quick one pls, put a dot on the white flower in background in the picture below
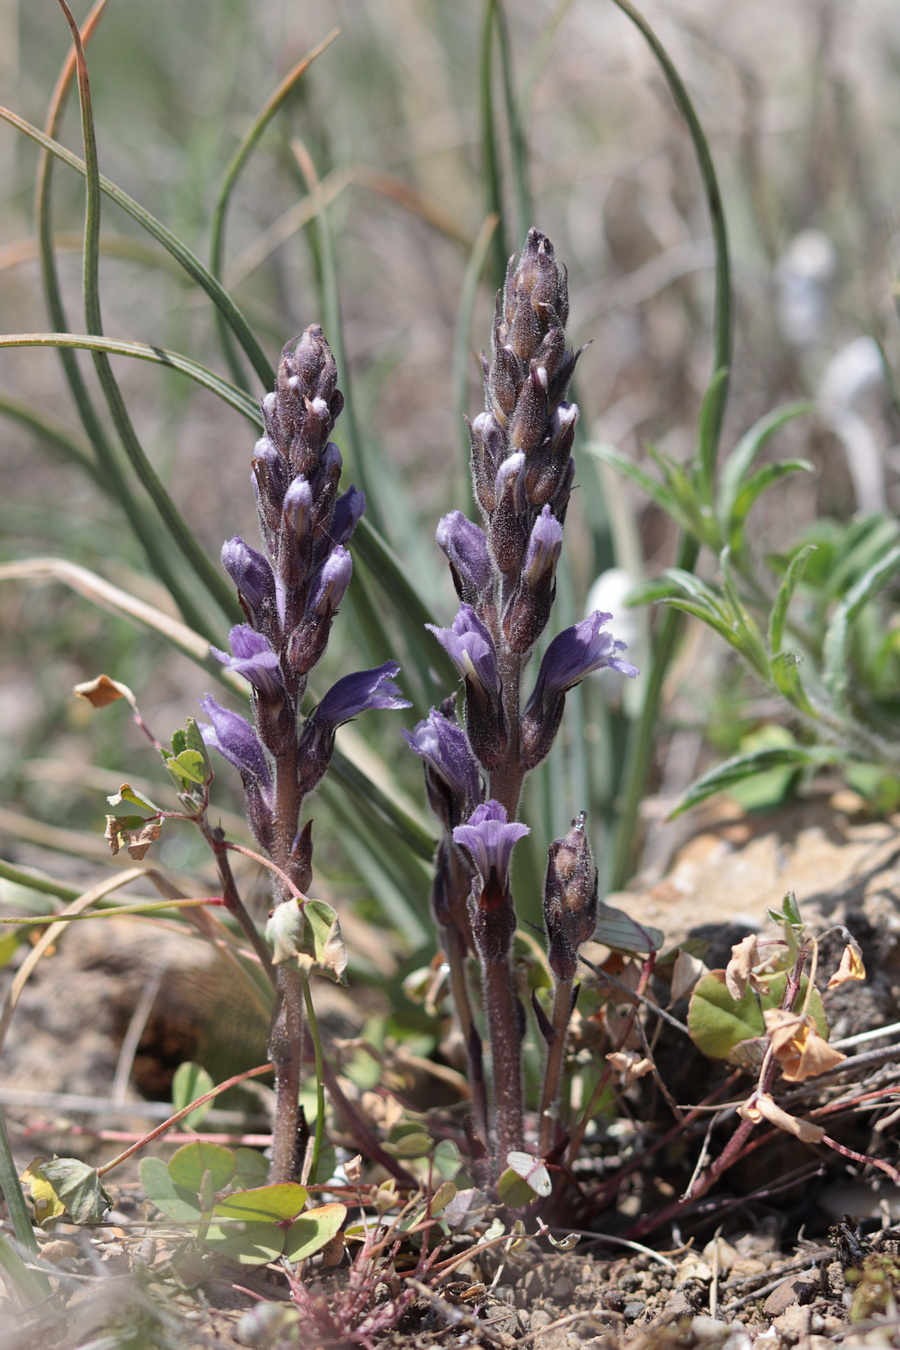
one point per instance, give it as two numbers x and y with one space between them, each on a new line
852 373
803 277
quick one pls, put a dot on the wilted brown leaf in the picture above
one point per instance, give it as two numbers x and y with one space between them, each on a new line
851 967
797 1046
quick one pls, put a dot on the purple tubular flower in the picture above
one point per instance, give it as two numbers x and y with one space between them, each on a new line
543 550
358 693
467 552
254 658
298 505
451 771
235 739
526 614
575 653
471 649
250 572
489 840
348 510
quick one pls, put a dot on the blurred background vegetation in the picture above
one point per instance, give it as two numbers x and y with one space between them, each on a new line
798 101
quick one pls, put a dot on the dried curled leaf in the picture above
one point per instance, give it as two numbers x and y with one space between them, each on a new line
133 833
798 1047
765 1107
629 1065
738 972
102 691
851 967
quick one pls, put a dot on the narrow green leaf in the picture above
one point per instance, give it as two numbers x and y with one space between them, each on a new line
748 638
784 671
182 255
739 767
737 465
240 157
462 352
766 477
712 410
657 492
15 1200
835 649
518 146
786 590
490 154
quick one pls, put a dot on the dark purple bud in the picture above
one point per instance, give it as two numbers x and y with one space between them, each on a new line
570 898
271 477
471 649
348 510
576 652
254 659
252 575
548 466
235 739
528 610
467 551
509 521
504 379
489 838
528 424
451 771
489 449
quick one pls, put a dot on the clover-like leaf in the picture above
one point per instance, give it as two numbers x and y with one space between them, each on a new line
263 1204
78 1187
127 793
189 1082
313 1230
188 1164
176 1202
249 1244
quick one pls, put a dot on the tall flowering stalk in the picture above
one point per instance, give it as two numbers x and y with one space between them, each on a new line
290 594
504 572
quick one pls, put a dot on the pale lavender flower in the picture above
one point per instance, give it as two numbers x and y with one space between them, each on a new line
360 692
576 652
331 583
254 659
467 552
471 649
489 839
348 510
250 571
451 770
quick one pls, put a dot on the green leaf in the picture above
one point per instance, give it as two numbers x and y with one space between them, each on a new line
617 930
189 1082
718 1023
737 465
249 1244
127 793
785 673
252 1169
187 1165
313 1230
264 1204
657 492
188 766
328 951
789 584
835 649
442 1196
760 482
514 1190
711 412
78 1187
736 769
286 930
415 1144
176 1202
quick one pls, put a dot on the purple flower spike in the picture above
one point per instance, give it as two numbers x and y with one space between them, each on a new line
467 551
490 839
575 653
471 649
358 693
253 658
235 739
250 572
445 750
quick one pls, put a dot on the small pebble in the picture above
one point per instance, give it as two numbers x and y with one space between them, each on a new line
633 1310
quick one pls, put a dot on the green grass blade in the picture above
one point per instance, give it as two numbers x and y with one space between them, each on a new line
785 594
835 649
240 157
140 351
709 423
207 572
539 54
518 145
490 156
754 487
12 1194
461 353
738 463
187 260
735 770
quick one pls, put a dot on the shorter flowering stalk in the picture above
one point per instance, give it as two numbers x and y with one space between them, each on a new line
570 916
290 594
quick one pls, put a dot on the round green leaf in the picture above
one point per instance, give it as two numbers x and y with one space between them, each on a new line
309 1234
186 1167
250 1244
176 1202
264 1204
252 1169
513 1190
717 1023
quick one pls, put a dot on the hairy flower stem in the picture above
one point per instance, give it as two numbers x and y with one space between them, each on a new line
233 902
285 1050
556 1052
507 779
453 945
503 1016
